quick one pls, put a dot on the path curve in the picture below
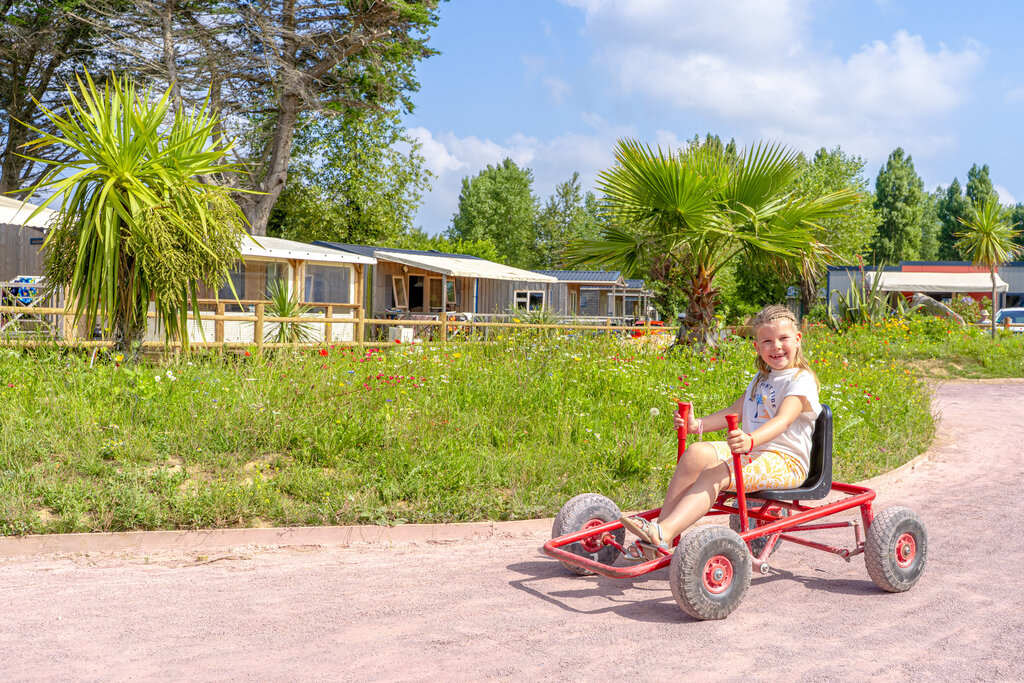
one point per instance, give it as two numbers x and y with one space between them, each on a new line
497 608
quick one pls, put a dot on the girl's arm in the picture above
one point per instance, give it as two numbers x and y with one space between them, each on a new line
711 423
741 442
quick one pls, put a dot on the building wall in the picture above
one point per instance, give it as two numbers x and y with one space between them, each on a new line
18 256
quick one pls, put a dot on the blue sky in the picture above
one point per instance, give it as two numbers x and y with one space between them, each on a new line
553 83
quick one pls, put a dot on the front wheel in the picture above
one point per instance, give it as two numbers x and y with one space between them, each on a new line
710 572
587 511
896 549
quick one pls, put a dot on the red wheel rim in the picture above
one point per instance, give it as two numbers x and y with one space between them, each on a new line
717 574
906 549
592 544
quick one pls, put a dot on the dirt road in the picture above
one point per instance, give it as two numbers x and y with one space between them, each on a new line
498 609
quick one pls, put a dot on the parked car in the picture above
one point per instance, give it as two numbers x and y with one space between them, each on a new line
1014 317
654 327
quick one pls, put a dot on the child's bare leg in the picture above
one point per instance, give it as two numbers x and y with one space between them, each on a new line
697 458
695 501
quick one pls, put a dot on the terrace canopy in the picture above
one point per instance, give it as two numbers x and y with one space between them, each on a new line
935 282
454 266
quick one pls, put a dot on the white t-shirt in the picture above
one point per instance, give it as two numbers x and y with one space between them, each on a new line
762 403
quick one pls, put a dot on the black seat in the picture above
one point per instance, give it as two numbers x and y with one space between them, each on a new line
819 478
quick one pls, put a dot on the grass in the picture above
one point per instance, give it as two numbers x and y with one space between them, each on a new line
470 431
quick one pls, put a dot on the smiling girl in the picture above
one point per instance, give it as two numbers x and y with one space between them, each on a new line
778 409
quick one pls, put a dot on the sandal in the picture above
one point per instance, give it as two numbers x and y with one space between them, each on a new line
647 531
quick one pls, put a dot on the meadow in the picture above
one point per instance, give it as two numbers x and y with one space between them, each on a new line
507 429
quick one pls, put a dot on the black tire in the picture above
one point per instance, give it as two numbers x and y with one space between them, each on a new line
710 572
588 509
896 549
757 545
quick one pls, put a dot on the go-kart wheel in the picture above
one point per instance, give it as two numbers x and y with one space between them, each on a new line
757 545
585 511
710 572
896 549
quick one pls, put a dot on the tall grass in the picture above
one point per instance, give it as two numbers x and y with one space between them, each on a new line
502 430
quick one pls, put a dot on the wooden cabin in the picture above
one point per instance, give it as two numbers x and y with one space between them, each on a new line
600 294
424 284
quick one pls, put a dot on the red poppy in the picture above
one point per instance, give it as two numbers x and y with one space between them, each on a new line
323 352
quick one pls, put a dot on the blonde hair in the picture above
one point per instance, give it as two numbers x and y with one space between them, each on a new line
771 314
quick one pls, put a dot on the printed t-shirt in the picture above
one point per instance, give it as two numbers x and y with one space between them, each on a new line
762 404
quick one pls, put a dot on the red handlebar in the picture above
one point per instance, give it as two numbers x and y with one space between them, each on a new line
684 412
733 420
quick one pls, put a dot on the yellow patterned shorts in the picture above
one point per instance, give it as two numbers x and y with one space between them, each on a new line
766 470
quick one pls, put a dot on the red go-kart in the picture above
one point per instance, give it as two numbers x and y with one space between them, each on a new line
711 565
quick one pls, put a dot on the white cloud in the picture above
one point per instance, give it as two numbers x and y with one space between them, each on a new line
558 88
1004 195
753 64
452 158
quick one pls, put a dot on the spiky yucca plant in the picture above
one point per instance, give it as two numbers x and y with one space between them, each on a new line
136 223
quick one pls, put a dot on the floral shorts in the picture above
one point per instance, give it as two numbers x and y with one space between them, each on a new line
765 470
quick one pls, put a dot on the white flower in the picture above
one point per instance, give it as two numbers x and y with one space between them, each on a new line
655 412
156 377
170 376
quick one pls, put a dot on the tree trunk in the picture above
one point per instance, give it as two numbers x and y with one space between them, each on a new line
698 327
257 207
992 273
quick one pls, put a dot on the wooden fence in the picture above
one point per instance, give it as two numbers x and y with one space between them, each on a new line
61 331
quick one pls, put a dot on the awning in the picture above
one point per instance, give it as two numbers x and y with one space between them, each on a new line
896 281
454 266
277 248
13 212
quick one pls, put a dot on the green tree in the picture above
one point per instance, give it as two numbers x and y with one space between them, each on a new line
931 228
42 45
569 215
271 65
694 211
979 186
989 241
499 205
358 179
899 201
950 207
417 238
136 223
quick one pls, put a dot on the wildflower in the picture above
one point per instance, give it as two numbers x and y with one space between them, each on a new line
655 412
119 357
323 352
170 376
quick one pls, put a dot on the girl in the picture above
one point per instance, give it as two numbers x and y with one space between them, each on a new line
778 410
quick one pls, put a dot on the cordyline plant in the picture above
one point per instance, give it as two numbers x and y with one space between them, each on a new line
136 224
694 211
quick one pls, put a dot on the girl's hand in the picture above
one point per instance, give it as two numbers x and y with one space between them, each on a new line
740 442
691 422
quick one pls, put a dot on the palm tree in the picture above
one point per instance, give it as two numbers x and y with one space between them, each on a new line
136 223
695 210
988 241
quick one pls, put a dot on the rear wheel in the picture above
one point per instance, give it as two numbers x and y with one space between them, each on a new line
588 511
896 549
710 572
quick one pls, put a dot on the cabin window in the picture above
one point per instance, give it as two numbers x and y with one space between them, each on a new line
328 284
398 298
527 300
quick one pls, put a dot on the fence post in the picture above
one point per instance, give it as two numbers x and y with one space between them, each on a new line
258 329
328 314
218 325
359 326
608 327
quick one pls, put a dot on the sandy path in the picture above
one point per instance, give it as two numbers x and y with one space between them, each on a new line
499 609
